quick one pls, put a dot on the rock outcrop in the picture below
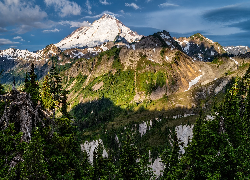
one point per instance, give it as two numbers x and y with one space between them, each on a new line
22 112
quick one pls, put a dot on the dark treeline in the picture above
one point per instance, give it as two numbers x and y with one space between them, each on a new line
219 148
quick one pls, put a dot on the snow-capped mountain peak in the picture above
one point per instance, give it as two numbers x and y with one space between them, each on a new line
102 30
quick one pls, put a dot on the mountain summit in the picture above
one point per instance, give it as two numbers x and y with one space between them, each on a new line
103 30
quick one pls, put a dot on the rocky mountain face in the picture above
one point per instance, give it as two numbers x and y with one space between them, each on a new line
236 50
200 48
156 55
15 63
103 30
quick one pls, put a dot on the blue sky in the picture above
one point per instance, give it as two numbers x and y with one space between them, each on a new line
33 24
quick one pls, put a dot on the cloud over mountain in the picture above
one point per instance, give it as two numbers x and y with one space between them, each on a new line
52 30
133 5
21 14
7 41
64 7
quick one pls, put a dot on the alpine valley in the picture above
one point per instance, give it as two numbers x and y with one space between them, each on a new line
122 87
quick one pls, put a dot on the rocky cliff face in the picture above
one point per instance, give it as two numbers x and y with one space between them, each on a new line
200 48
22 113
157 56
236 50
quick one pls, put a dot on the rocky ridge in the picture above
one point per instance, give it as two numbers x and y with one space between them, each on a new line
236 50
200 48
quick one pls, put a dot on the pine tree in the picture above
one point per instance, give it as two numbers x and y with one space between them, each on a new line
129 168
34 165
46 96
55 84
31 85
11 149
99 164
170 157
64 103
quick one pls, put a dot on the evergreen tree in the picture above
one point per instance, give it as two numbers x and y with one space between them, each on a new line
170 156
46 96
35 165
31 85
11 149
99 164
55 84
129 167
64 104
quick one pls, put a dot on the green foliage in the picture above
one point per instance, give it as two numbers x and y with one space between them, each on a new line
197 35
64 104
95 113
113 52
55 83
118 87
80 79
34 165
11 146
46 96
170 157
162 52
217 61
31 85
129 168
148 81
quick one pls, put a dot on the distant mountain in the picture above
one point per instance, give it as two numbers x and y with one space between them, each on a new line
107 28
200 48
236 50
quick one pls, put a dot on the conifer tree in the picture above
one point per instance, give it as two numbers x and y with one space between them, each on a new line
64 103
129 167
170 157
46 96
34 165
55 84
31 85
99 164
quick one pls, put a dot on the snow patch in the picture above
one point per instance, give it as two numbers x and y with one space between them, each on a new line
133 46
193 82
236 62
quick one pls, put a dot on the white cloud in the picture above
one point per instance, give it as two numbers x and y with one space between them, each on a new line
185 21
23 28
100 15
166 4
65 7
89 7
32 35
148 1
75 24
3 29
132 5
104 2
20 13
53 30
7 41
17 37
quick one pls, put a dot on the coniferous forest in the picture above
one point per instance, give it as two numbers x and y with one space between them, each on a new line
40 139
